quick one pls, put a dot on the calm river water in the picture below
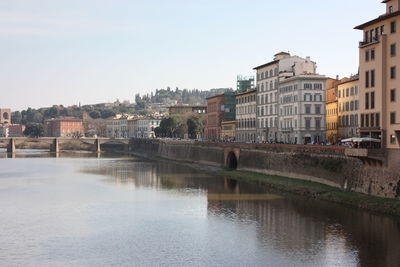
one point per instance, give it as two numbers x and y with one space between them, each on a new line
80 210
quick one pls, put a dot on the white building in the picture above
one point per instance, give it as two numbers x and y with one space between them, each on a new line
118 127
302 109
269 75
143 127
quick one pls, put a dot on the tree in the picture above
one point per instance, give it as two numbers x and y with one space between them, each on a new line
16 117
34 130
95 114
107 113
195 126
172 126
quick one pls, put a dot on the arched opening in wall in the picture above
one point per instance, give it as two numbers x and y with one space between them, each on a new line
232 161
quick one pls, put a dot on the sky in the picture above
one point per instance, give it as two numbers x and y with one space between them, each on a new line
92 51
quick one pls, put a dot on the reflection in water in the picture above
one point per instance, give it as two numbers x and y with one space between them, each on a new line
158 213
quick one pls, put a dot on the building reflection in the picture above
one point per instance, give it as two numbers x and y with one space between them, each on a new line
298 225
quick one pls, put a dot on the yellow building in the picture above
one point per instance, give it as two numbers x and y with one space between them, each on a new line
379 77
348 108
228 130
331 109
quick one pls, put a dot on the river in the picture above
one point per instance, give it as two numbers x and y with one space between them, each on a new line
83 210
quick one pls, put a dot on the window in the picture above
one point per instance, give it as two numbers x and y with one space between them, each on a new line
366 100
393 95
390 9
367 79
393 27
362 120
308 109
373 54
392 139
372 78
347 92
308 123
318 123
393 50
392 117
317 109
372 100
367 55
307 86
393 72
377 119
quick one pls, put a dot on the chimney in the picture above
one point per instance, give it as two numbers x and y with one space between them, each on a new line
337 77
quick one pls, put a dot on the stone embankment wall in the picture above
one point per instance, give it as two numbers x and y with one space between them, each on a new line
323 164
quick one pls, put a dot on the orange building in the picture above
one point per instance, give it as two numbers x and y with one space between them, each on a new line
379 77
64 127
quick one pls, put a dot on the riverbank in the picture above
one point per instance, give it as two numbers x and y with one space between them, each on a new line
299 187
318 191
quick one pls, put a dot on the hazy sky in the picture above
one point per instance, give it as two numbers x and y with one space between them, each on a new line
89 51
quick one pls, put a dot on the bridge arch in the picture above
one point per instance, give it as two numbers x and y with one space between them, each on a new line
232 161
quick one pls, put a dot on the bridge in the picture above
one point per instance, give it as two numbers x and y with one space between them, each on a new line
55 142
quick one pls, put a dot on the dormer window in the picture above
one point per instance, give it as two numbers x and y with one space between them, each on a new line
390 9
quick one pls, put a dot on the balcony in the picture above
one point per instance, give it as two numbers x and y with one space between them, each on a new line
374 40
287 130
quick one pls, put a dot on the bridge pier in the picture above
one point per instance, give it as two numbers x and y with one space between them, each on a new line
97 145
55 146
11 146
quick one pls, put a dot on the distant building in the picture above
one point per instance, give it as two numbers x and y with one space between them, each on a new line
5 115
246 116
16 130
244 83
348 108
187 109
143 127
219 108
379 77
64 127
117 127
228 130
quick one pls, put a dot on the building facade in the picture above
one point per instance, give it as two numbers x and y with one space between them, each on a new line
118 127
267 101
348 108
219 108
269 75
379 77
228 130
64 127
246 130
187 109
146 126
302 109
331 111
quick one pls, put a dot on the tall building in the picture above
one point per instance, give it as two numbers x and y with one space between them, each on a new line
379 77
244 83
219 108
269 76
302 109
348 108
246 116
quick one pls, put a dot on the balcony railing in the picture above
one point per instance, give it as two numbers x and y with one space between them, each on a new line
374 40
